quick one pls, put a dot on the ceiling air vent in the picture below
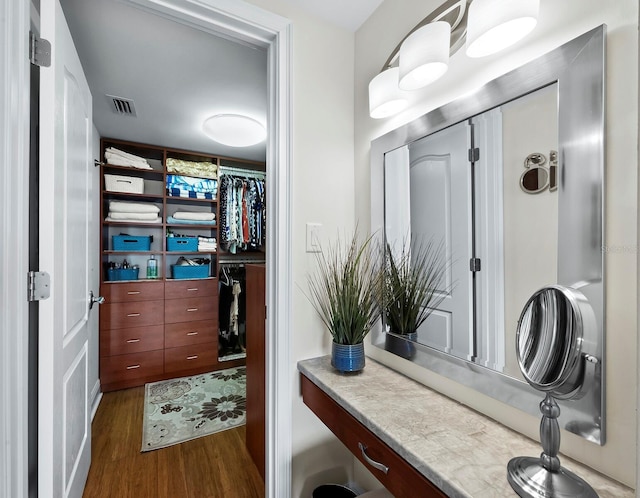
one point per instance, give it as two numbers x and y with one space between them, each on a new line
122 106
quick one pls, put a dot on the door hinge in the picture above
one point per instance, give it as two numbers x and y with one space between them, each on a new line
474 264
38 285
474 155
39 51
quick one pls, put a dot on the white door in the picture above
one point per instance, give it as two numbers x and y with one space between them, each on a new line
440 182
67 253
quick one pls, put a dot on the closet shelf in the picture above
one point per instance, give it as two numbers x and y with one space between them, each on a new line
188 226
107 194
148 173
133 224
187 200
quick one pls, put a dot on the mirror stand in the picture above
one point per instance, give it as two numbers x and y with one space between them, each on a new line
544 477
551 353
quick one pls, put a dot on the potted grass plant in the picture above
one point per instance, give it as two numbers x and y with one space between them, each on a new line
346 291
414 286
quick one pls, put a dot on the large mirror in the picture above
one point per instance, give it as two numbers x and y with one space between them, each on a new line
510 182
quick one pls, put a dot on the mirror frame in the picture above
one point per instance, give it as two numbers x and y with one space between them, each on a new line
578 67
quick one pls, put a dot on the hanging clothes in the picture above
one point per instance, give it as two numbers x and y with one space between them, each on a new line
242 213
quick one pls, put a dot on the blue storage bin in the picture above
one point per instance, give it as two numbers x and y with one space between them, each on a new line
114 274
132 242
188 271
183 244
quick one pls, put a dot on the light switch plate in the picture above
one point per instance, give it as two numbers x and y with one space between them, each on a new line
313 237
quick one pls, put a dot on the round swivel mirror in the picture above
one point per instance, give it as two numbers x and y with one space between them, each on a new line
549 348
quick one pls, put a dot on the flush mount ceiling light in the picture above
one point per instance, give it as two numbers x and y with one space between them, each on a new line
494 25
423 54
234 130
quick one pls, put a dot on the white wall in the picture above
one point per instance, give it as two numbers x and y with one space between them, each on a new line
323 189
558 23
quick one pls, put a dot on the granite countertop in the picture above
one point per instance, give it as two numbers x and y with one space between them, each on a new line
461 451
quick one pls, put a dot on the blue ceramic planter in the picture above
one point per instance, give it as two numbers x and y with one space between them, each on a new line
347 357
401 345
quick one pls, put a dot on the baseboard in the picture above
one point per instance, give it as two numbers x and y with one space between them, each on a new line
96 397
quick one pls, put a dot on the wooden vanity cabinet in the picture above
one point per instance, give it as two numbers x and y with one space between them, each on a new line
400 478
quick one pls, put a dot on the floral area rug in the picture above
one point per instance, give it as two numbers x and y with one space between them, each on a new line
179 410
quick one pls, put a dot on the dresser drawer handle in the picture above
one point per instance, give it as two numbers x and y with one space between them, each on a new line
132 341
192 289
193 357
189 310
192 333
132 367
133 314
376 465
133 293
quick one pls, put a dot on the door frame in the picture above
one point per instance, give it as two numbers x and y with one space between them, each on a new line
238 21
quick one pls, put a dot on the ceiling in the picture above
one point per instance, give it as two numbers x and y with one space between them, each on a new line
177 76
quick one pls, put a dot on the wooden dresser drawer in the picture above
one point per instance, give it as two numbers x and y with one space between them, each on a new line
200 356
188 333
190 309
130 366
401 479
131 340
137 314
179 289
132 291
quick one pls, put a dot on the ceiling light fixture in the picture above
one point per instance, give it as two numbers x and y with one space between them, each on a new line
422 56
234 130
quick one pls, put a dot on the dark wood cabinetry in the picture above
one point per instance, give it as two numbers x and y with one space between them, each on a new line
157 328
256 316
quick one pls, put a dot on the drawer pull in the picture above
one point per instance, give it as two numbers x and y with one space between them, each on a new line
376 465
133 314
189 310
132 367
192 289
192 333
132 341
193 357
133 293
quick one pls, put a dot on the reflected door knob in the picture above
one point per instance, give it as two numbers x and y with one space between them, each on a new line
94 299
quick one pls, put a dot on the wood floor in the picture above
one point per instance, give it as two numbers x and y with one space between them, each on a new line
215 466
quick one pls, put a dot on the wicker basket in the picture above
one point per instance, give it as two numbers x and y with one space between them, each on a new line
128 184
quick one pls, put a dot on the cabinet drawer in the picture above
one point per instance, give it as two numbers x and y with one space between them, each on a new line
178 289
200 356
190 309
131 340
188 333
130 366
137 314
132 291
401 479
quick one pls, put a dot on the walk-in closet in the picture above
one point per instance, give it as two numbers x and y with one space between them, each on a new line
180 224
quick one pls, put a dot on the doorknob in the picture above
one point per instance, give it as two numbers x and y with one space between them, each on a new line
94 299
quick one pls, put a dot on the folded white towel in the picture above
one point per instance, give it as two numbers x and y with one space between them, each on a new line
156 220
119 161
188 215
132 207
132 216
132 158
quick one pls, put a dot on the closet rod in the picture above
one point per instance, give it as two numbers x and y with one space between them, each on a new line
241 260
228 170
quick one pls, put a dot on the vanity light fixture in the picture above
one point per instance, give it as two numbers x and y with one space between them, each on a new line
422 56
494 25
234 130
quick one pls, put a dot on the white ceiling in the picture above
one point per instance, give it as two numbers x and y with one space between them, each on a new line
349 14
177 76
